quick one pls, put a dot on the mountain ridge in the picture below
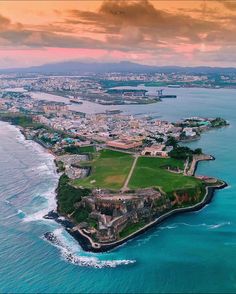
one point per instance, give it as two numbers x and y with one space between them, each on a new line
78 67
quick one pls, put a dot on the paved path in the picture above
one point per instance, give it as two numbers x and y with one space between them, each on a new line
186 165
125 187
196 158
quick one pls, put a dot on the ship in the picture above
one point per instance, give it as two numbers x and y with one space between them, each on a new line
75 100
113 111
167 96
173 86
162 96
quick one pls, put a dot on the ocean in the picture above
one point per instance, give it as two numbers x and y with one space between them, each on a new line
190 253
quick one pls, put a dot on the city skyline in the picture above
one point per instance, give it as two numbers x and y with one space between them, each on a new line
185 33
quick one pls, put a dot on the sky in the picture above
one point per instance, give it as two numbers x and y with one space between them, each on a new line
162 33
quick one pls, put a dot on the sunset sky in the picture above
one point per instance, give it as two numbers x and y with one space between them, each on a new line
188 33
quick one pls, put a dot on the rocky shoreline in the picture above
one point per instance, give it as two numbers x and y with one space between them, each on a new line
86 244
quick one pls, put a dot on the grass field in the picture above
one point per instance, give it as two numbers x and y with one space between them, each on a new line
80 150
87 149
109 170
149 172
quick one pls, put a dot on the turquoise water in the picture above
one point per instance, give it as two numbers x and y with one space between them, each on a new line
194 252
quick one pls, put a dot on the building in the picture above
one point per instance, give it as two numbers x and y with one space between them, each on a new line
128 92
54 108
189 132
155 150
124 145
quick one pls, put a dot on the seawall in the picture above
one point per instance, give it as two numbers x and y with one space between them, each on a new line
86 244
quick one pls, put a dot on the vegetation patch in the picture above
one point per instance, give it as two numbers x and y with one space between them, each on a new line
116 178
60 166
19 119
218 122
109 170
182 152
149 172
131 228
80 150
81 214
68 195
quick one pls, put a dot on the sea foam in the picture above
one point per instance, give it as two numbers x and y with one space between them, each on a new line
51 205
72 253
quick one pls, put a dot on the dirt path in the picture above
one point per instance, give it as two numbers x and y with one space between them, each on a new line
125 187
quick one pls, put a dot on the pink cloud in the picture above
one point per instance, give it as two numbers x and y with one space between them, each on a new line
28 57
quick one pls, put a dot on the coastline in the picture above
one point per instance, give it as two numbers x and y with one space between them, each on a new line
87 243
37 144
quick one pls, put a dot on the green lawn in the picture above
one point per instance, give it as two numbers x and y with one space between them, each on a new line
109 170
80 150
87 149
149 172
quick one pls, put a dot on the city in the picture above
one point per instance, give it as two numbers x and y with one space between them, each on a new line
117 146
114 206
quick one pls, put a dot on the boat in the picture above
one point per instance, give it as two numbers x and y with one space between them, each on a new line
74 100
161 95
167 96
113 111
173 86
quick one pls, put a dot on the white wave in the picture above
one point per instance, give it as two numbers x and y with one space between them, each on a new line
51 205
228 187
42 169
32 144
47 167
190 225
168 227
35 147
71 252
11 215
216 226
18 212
208 226
142 241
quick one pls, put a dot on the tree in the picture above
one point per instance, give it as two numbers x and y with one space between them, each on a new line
198 151
159 140
171 141
181 153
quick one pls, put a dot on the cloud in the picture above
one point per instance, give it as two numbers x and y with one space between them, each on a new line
17 34
117 25
231 5
134 28
31 38
151 23
4 22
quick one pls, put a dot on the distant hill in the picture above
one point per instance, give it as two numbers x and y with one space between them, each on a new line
77 67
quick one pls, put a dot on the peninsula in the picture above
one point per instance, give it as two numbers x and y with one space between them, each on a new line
110 190
124 194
